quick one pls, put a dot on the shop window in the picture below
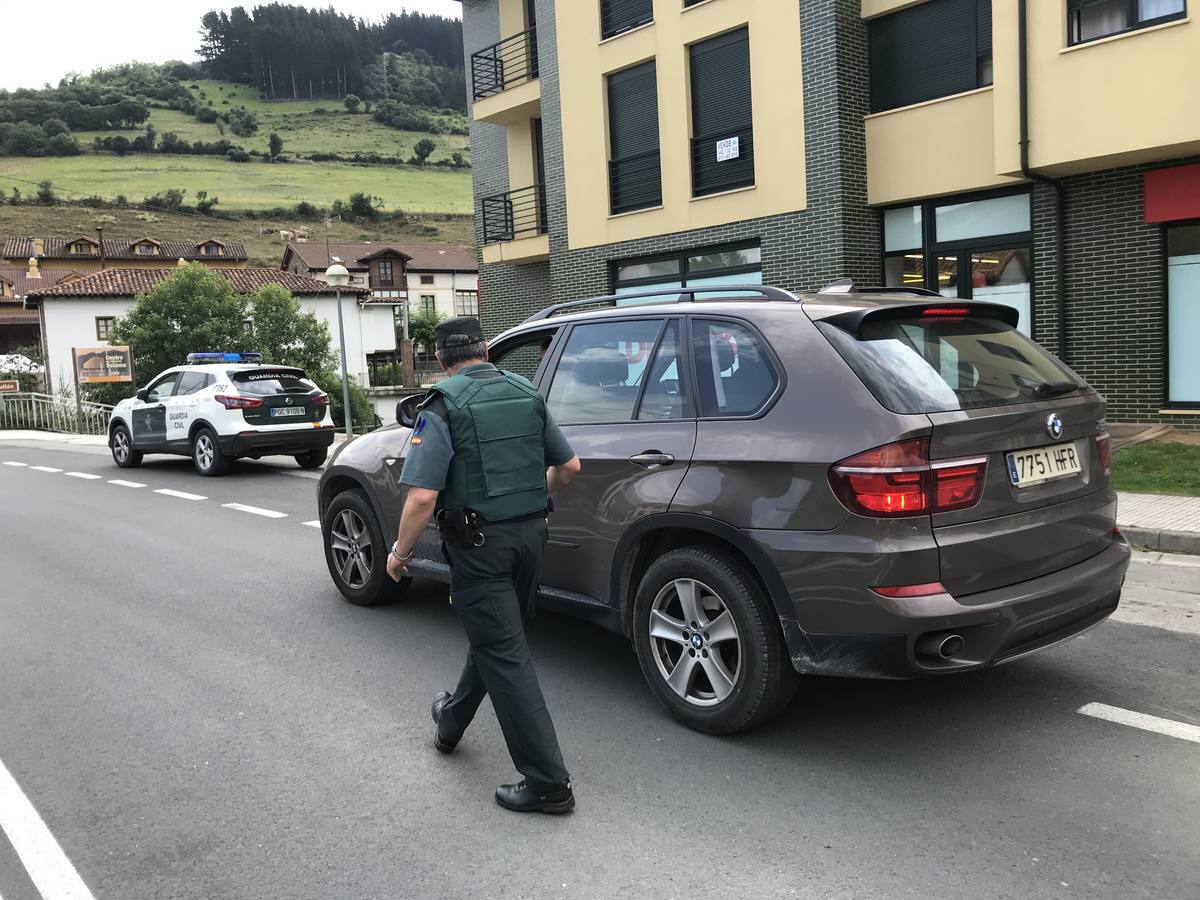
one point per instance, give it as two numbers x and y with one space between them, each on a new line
969 249
1183 314
733 264
933 50
1090 20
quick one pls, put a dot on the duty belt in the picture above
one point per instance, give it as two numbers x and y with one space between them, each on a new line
461 526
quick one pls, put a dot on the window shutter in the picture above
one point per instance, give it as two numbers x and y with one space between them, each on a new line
983 27
635 178
722 114
924 52
622 15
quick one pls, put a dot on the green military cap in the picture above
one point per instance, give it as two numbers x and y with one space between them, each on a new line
455 332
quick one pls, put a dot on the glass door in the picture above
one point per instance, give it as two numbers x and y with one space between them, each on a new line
1183 314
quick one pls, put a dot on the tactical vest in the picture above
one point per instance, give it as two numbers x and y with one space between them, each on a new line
496 428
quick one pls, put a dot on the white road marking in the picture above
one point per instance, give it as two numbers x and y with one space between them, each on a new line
315 523
88 475
255 510
48 867
182 495
124 483
45 469
1158 725
13 463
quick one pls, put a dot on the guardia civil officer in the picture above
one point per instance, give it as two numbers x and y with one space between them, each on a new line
485 456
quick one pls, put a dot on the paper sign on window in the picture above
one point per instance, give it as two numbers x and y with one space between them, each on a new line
728 149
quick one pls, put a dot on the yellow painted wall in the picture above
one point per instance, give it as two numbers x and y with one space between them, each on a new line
520 155
873 8
1120 100
512 18
584 61
942 147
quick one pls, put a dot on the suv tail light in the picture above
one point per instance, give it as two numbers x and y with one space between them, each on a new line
899 480
230 402
321 400
1104 448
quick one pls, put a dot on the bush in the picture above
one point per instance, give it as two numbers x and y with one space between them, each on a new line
122 200
204 203
352 103
171 198
275 143
242 123
45 193
458 160
51 127
238 155
170 142
62 145
422 150
206 114
306 210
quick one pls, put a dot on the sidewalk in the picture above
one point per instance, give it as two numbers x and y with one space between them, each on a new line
1160 521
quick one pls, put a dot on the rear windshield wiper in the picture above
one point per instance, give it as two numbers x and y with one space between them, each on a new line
1055 388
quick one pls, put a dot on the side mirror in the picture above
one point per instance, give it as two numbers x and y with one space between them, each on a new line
406 410
142 394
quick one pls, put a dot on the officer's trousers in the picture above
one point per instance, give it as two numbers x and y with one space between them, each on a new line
493 589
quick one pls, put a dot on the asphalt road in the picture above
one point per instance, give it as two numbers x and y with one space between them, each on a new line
194 712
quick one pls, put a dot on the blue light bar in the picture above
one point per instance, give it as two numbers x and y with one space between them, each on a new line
196 358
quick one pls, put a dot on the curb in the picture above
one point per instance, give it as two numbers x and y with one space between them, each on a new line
1163 541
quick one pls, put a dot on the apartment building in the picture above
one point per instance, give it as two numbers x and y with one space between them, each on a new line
1041 154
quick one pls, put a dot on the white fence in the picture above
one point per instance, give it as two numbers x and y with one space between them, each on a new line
44 412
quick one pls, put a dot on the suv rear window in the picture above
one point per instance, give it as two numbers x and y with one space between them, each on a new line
267 382
926 365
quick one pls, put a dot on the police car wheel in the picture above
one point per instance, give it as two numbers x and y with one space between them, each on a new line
709 641
312 459
207 455
356 552
121 444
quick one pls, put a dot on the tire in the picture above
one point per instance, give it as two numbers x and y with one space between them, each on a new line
312 459
206 454
361 576
121 445
749 652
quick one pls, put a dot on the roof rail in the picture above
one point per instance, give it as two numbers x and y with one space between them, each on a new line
847 286
673 295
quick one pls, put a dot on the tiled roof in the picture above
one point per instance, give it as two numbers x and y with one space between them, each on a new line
21 248
130 282
23 284
422 257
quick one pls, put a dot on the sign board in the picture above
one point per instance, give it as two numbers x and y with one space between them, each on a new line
97 365
9 387
728 149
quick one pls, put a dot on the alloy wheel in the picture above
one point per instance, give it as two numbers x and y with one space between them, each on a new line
353 555
205 452
120 446
695 642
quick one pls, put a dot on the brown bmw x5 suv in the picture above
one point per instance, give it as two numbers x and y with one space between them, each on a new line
870 483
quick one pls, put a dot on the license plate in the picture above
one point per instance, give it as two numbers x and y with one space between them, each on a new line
280 412
1029 467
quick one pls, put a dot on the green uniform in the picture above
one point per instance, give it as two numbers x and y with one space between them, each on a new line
480 439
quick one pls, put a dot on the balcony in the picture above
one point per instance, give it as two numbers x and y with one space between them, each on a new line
514 225
504 80
722 162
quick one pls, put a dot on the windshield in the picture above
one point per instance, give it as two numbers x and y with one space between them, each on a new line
926 365
266 382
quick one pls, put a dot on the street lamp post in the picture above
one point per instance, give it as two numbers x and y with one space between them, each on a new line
338 276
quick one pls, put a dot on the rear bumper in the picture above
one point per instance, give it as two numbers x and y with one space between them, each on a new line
996 626
269 443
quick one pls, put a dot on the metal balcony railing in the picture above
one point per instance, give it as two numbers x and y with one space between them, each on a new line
514 214
510 62
635 182
722 161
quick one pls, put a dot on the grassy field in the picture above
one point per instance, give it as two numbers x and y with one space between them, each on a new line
253 185
1158 468
263 248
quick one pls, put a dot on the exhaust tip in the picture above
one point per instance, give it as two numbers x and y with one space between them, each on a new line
941 645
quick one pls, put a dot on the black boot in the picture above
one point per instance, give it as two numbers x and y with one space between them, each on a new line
522 798
443 744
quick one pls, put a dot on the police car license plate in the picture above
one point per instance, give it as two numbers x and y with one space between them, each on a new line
279 412
1029 467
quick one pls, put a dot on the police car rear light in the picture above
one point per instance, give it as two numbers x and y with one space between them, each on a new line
194 358
321 400
237 402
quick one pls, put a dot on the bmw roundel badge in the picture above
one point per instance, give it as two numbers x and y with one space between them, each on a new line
1054 426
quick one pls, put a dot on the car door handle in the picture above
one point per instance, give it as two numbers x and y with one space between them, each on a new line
652 459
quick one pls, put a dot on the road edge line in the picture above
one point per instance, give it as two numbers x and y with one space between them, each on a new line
1155 724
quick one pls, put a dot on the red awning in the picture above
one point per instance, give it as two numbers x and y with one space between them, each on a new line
1172 194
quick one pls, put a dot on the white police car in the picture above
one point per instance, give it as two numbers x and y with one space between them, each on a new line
219 407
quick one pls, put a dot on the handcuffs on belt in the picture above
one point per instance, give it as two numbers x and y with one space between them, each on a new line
461 527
